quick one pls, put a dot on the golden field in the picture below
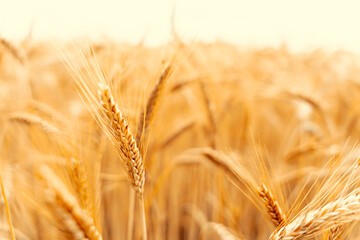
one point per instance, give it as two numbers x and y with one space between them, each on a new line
102 140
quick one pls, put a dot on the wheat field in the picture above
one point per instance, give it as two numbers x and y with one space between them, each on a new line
106 140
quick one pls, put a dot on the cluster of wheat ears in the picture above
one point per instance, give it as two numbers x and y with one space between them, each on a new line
102 140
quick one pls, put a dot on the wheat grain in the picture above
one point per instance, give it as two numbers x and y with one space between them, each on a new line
272 206
336 233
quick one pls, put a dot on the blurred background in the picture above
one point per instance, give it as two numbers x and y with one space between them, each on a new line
302 25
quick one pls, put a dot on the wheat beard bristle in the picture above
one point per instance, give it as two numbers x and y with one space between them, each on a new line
271 205
125 141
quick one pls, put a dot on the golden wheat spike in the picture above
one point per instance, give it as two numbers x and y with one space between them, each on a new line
69 223
209 114
341 211
13 50
148 113
125 140
272 207
68 202
222 231
31 119
80 181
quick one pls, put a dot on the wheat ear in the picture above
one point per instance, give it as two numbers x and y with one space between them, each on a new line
124 138
80 181
68 202
271 205
308 224
148 113
222 231
70 225
34 120
210 115
13 50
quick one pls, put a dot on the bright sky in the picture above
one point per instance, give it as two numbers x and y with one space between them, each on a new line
301 24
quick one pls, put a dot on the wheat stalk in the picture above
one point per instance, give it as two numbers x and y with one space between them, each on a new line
7 176
177 133
276 214
11 228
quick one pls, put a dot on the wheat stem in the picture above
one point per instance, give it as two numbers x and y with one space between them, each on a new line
131 214
7 209
143 220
